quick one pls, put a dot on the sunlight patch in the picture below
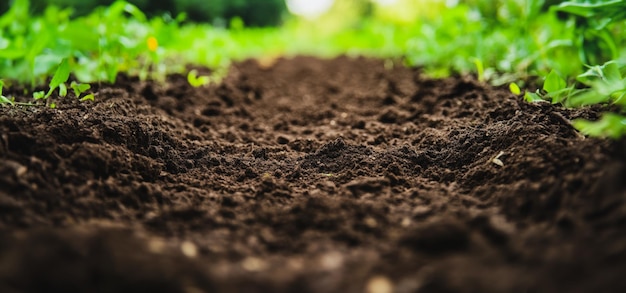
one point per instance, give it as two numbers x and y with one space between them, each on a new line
309 9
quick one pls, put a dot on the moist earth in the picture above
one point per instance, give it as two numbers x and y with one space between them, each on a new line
308 175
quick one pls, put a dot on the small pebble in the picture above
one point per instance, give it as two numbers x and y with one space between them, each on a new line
331 261
371 222
253 264
379 284
189 249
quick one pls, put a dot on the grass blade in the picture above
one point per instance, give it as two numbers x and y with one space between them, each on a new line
60 76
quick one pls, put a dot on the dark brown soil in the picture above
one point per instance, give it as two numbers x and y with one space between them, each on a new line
308 176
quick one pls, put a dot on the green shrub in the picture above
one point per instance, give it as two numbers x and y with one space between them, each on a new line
252 12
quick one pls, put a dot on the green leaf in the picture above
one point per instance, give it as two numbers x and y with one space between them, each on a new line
79 88
11 54
610 125
556 87
89 97
111 73
39 95
587 9
60 76
554 82
480 68
606 84
515 89
196 81
611 71
586 97
5 100
62 90
533 97
592 74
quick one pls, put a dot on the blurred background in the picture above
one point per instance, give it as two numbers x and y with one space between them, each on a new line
254 13
491 37
263 13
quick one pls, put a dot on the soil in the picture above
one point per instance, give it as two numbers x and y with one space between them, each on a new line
309 175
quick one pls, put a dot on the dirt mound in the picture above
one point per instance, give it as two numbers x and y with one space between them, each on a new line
308 175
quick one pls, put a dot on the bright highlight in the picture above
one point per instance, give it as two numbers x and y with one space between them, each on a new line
308 8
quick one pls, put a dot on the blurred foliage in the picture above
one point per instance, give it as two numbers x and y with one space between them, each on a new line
508 39
600 28
252 12
501 41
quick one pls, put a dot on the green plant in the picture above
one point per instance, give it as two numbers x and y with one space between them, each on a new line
512 39
598 40
515 89
195 80
603 84
59 78
610 125
3 99
79 89
607 84
554 88
600 84
596 23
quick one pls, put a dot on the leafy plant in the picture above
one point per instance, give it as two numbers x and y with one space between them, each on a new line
39 95
515 89
600 84
603 84
79 89
195 80
59 78
3 99
554 88
606 84
610 125
596 41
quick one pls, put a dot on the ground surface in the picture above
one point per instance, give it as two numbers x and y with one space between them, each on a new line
306 175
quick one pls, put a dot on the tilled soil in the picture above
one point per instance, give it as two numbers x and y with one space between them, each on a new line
308 175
